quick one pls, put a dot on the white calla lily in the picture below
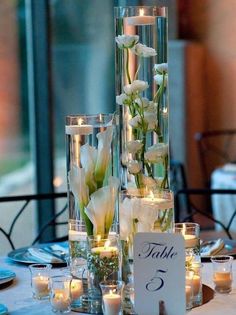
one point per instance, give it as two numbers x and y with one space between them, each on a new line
88 158
103 155
101 207
144 51
127 41
79 188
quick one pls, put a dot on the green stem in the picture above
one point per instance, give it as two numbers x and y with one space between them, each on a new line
127 65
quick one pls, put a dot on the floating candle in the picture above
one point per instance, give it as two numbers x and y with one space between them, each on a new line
141 19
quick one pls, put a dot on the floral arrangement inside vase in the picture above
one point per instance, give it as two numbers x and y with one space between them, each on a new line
145 150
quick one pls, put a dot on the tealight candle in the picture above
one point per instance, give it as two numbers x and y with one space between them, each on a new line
60 300
196 282
40 286
112 303
223 281
191 241
76 289
188 294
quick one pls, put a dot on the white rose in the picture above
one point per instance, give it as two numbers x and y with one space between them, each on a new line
151 108
151 119
136 86
144 51
134 146
149 182
156 152
120 99
142 102
134 122
134 167
159 79
127 41
161 68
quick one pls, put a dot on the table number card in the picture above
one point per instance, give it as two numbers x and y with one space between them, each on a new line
159 273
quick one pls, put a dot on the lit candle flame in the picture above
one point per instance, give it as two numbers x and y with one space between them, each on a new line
141 12
184 229
98 238
107 243
151 195
80 121
165 110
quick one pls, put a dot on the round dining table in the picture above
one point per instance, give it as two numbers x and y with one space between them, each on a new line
17 296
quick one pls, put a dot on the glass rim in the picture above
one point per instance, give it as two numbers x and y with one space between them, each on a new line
186 224
61 277
90 115
159 8
95 238
222 258
40 266
139 192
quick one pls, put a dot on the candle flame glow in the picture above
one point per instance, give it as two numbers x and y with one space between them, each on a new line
151 195
80 121
184 229
165 110
141 12
98 238
107 243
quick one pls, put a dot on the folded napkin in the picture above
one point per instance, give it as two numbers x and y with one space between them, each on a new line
230 167
212 248
44 256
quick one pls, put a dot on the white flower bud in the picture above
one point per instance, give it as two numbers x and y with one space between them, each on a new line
156 152
134 146
161 68
144 51
127 41
134 167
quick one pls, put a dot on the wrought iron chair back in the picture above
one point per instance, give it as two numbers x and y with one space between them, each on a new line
193 208
27 199
215 147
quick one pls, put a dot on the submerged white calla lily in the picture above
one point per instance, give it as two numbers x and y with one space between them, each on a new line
79 188
101 207
103 154
88 158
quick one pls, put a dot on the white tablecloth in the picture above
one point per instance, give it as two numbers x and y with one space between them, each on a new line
18 297
224 205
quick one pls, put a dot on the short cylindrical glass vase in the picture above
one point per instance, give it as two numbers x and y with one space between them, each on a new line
104 264
142 95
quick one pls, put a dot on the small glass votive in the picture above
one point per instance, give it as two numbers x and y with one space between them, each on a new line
60 293
222 273
196 267
191 234
40 275
189 289
111 296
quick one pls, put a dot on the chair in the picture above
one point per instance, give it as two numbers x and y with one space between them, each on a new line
26 200
215 147
193 207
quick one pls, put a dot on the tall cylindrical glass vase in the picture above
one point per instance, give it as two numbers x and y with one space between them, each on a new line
142 96
92 159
